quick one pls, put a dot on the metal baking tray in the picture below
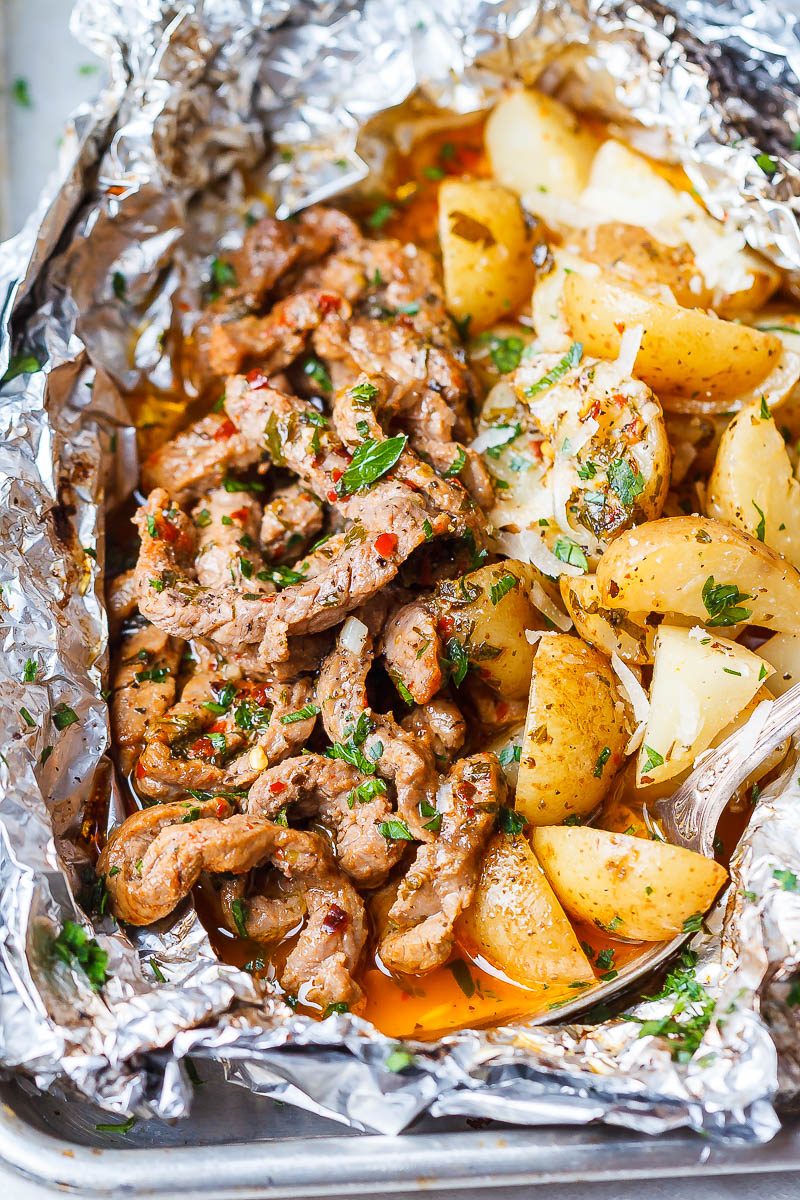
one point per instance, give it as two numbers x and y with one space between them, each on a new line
236 1144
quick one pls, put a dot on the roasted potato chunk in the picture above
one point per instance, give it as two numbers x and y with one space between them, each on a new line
537 145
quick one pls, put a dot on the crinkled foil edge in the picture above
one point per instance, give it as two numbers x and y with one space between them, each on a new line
193 88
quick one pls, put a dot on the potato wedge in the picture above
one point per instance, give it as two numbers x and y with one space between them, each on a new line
684 352
700 568
637 889
483 616
486 251
516 922
575 732
782 651
753 484
607 629
701 683
508 748
536 144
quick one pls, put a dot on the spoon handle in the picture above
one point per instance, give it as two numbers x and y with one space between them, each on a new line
690 816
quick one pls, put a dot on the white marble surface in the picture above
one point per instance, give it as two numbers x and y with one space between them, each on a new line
37 47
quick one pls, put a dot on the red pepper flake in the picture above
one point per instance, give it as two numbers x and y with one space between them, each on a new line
241 514
620 327
595 410
465 790
222 808
501 710
446 625
277 787
202 748
257 379
168 531
329 302
219 726
332 497
226 430
139 771
386 544
259 695
336 474
335 919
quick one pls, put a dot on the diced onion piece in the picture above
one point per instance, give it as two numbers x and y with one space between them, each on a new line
528 546
354 634
632 689
629 345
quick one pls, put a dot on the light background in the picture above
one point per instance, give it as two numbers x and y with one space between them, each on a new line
38 48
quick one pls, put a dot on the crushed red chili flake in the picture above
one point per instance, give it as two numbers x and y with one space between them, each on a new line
222 808
241 514
218 726
330 302
446 625
335 919
332 497
386 544
277 787
226 430
139 771
613 589
257 379
168 531
336 474
202 748
619 326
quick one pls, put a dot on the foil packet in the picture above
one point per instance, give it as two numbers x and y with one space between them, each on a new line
291 94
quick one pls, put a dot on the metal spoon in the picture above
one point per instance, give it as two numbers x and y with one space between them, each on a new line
689 818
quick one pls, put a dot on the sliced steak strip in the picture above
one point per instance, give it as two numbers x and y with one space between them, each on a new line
198 458
157 856
228 525
275 340
121 599
343 799
223 735
412 650
441 882
399 756
440 725
142 688
292 518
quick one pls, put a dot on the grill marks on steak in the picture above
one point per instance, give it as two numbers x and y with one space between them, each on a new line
154 860
441 882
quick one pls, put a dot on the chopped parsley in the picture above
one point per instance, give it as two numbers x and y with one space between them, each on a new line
723 603
761 527
463 976
568 551
765 413
510 822
570 360
509 754
21 364
74 947
383 213
398 1059
239 912
29 670
301 714
787 880
119 285
316 371
152 675
653 760
506 353
685 1026
433 817
222 276
64 716
395 830
203 518
602 759
457 465
366 791
336 1008
458 660
626 481
503 586
370 461
116 1127
694 923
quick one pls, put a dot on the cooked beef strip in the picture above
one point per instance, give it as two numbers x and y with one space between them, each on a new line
121 599
256 729
315 786
272 248
441 726
412 650
440 884
276 340
399 756
227 525
198 458
292 518
139 694
320 968
157 856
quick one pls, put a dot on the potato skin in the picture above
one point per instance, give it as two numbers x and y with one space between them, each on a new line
753 485
490 622
684 352
634 888
486 251
665 565
607 629
575 733
516 922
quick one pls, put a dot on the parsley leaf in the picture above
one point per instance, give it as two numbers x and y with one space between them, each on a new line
510 822
570 360
395 830
653 760
300 714
370 461
723 601
503 586
627 482
74 947
568 551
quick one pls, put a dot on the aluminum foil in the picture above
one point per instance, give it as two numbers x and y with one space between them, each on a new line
200 91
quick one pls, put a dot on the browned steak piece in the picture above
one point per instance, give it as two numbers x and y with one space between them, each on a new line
199 458
142 688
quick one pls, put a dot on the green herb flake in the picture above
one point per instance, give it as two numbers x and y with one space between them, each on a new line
458 660
29 671
21 93
506 353
300 714
602 759
626 481
366 791
653 760
64 716
222 275
694 923
239 912
787 879
723 603
116 1127
119 285
765 413
336 1008
315 370
463 976
761 527
568 551
395 830
21 364
397 1060
74 947
504 585
510 822
767 163
383 213
570 360
370 461
457 465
